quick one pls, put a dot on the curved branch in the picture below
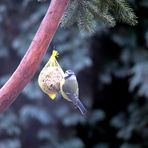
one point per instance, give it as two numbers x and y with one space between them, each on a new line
33 57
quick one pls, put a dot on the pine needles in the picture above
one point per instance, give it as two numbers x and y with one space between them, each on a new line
85 13
124 12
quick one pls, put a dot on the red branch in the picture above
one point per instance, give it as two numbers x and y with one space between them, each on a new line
33 57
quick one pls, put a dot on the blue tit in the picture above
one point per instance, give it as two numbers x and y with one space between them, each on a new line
70 91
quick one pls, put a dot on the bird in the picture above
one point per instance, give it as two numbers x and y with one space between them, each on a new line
70 90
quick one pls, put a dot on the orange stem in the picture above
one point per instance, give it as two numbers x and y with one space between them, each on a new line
33 57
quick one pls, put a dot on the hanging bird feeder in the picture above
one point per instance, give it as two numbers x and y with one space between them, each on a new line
50 76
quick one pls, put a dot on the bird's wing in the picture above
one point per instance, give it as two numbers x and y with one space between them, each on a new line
71 86
71 93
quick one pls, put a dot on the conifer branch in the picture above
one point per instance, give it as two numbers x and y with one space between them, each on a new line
123 12
85 13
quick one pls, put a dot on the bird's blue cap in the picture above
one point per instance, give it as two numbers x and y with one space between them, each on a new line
68 73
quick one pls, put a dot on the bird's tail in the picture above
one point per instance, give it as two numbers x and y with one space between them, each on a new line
81 107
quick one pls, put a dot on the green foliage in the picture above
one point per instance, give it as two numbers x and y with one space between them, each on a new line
140 78
136 124
85 13
123 12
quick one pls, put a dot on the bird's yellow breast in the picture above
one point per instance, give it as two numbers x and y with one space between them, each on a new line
61 90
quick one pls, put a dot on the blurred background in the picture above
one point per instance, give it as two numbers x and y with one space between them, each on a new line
112 70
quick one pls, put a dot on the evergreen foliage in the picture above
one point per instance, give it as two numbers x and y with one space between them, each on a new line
84 13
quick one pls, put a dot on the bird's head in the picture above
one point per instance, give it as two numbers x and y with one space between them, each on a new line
68 74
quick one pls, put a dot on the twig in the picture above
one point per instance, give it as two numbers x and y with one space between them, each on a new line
33 57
